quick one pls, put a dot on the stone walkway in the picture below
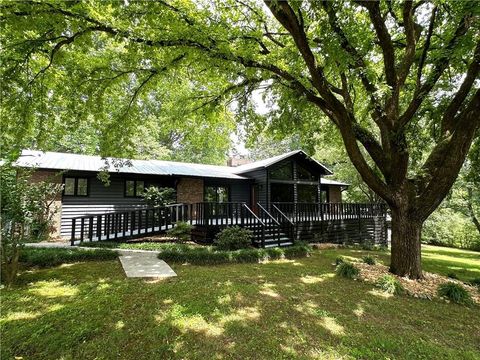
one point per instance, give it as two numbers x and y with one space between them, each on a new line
135 263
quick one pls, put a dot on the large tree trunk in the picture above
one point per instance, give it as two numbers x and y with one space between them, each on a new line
405 248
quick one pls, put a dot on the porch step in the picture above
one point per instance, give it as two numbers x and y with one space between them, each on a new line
289 243
271 233
274 242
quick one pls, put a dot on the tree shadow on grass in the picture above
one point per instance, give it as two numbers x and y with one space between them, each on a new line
252 311
451 252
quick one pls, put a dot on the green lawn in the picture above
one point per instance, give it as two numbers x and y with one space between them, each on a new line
294 309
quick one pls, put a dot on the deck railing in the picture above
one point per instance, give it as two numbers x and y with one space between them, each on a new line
212 214
216 214
298 212
280 216
124 224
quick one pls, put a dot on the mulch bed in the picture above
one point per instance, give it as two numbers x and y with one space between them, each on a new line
425 288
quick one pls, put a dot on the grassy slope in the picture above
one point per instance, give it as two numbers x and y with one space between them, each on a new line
267 311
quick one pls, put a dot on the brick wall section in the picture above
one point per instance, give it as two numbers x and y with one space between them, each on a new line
335 194
55 177
190 190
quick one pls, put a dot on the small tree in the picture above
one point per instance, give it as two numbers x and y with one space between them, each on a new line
156 196
27 211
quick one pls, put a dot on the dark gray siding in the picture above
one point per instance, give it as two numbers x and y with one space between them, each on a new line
240 192
102 199
260 178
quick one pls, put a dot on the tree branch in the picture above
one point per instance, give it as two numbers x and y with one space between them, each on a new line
56 48
384 38
287 17
436 179
438 68
409 25
359 62
461 95
348 131
153 73
426 47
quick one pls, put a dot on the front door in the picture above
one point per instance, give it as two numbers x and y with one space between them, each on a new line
254 198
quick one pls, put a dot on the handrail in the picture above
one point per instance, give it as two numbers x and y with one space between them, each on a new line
331 211
267 213
251 212
263 226
275 229
282 214
171 205
127 210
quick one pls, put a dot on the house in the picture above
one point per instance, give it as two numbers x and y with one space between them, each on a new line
258 187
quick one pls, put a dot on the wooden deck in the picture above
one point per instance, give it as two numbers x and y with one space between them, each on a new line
281 225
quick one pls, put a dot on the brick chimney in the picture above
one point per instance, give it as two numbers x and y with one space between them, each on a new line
234 161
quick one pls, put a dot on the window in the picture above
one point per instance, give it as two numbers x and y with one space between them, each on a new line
134 188
218 194
307 193
82 187
75 186
325 196
284 172
304 174
281 192
69 188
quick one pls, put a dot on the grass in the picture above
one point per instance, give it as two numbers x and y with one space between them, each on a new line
277 310
464 263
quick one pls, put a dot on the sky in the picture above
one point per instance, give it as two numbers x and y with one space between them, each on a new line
261 107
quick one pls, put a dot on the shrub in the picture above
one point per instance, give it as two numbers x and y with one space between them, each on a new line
452 275
155 196
299 250
369 259
339 260
390 284
454 292
233 238
47 257
347 270
209 255
368 246
248 256
475 282
182 231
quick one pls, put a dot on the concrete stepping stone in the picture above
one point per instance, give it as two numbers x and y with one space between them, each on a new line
138 264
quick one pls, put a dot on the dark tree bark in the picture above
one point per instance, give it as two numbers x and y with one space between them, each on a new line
405 248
